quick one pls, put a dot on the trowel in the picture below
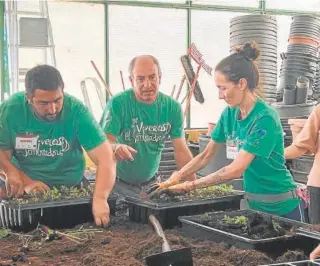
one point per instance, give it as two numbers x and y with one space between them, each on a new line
168 257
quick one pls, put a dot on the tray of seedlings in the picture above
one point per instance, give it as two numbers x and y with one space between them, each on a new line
167 208
58 208
246 229
297 263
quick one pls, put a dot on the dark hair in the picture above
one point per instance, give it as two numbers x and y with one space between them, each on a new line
240 64
43 77
133 61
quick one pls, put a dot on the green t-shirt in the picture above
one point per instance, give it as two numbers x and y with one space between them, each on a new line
56 156
260 133
144 127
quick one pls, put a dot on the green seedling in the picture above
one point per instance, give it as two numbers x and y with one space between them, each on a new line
55 194
4 232
241 220
212 191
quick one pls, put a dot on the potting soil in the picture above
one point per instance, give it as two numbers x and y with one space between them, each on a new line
257 227
123 244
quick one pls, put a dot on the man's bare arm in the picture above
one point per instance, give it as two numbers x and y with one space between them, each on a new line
103 158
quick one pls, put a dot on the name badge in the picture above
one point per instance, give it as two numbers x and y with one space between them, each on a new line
232 149
26 142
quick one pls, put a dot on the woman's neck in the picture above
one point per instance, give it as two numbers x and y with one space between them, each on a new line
247 104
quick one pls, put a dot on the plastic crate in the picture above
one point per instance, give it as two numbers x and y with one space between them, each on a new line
274 245
55 214
168 213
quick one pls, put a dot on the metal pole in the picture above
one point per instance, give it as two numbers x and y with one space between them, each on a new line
188 45
262 6
107 72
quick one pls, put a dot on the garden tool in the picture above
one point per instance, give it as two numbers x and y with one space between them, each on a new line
122 81
168 257
191 77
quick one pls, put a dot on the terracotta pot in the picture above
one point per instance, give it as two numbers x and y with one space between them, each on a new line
211 126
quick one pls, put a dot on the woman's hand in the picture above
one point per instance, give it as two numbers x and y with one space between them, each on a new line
157 187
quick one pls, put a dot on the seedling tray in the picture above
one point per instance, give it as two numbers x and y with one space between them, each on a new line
308 233
168 213
56 214
192 226
297 263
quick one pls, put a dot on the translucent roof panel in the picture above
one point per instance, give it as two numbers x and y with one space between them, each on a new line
306 5
146 30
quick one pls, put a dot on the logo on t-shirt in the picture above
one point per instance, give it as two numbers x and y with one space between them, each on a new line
140 132
48 148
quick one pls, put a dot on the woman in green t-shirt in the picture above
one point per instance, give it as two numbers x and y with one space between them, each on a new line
253 135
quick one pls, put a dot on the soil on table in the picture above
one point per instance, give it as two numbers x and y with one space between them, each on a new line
123 244
256 226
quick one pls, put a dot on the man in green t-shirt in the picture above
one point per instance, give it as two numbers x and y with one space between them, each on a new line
138 121
42 132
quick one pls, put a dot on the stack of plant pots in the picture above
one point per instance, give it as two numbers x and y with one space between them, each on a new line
301 58
301 167
292 111
261 29
167 163
218 161
316 85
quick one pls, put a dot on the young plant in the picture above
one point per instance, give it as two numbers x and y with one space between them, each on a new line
55 194
4 232
212 192
241 220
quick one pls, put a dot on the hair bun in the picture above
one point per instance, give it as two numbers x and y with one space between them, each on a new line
249 51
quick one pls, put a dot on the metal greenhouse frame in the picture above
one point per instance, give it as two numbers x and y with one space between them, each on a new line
188 6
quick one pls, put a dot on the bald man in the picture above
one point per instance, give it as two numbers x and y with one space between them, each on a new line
138 121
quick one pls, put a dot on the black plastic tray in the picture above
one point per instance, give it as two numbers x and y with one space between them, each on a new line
168 213
55 214
297 263
308 233
274 245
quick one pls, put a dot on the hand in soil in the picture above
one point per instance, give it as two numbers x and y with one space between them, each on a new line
14 184
165 193
36 186
101 212
154 190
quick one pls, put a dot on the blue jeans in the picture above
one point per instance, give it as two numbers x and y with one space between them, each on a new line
296 214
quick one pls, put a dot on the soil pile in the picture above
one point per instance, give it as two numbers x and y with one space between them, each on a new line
123 244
